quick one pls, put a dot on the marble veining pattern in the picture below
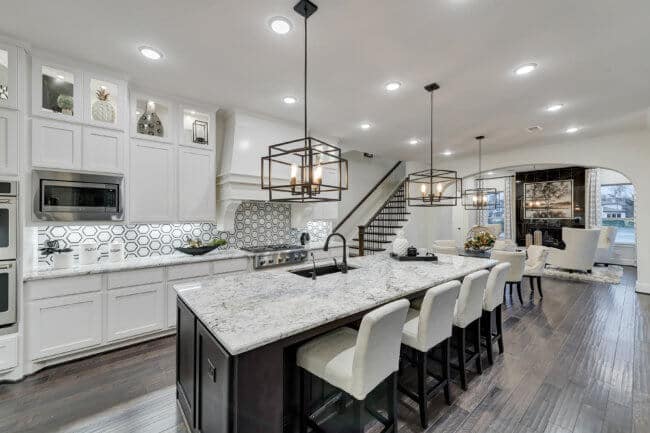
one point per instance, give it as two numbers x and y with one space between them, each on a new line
258 308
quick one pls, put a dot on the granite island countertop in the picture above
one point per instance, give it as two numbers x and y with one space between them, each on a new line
44 271
251 310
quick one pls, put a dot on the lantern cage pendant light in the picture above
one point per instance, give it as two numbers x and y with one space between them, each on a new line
480 198
433 187
305 170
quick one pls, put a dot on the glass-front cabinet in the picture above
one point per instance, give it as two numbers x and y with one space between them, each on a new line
196 127
56 91
105 101
8 76
152 118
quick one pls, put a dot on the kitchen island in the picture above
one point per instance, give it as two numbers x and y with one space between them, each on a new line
237 335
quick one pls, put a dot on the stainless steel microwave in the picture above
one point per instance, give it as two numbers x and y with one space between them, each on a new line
64 196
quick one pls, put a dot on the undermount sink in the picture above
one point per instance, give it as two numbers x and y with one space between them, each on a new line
320 270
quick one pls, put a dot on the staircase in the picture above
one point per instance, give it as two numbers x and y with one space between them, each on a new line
377 233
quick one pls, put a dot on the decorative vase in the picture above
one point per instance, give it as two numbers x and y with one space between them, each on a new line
150 124
103 111
400 244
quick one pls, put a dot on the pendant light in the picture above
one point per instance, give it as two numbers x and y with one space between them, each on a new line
480 198
432 187
305 170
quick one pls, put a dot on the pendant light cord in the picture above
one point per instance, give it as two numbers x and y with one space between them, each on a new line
305 84
431 138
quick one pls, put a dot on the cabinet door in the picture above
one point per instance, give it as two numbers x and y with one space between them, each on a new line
133 311
8 352
60 325
151 182
196 185
8 76
8 142
56 144
185 360
102 150
171 305
213 372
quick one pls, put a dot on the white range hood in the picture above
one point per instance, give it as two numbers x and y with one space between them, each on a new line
246 139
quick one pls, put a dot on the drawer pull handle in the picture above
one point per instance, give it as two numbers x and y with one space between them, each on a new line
212 372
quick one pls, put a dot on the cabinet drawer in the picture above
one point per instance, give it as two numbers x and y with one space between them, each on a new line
231 265
135 278
8 352
134 311
61 325
55 287
193 270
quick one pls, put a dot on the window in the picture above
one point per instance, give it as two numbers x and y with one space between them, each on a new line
617 202
496 215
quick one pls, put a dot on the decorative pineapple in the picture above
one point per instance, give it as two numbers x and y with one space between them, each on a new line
103 110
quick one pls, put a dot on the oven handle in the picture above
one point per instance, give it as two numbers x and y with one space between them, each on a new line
7 266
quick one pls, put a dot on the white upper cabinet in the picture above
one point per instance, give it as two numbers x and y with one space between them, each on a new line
151 182
8 76
105 101
102 150
196 185
56 144
196 127
8 142
152 118
57 91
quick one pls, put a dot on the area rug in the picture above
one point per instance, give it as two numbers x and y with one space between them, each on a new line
601 275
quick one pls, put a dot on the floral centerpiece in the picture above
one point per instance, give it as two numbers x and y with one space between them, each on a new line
480 240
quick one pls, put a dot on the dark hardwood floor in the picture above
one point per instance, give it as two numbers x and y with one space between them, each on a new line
577 362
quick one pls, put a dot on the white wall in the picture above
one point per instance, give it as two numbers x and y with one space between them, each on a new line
627 153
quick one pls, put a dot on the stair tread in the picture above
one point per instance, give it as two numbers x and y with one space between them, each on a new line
391 219
387 227
395 213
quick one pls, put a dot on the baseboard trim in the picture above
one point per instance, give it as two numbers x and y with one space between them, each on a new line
643 288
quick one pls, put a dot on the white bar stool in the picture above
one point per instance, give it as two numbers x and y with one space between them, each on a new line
423 331
356 362
517 262
492 307
467 314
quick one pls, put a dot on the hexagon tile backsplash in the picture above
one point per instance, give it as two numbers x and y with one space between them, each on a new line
256 223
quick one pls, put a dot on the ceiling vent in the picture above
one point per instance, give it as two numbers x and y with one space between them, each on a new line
534 129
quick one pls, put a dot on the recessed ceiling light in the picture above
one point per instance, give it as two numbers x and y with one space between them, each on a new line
150 53
535 128
490 173
526 69
447 153
413 141
572 130
289 100
393 85
60 77
554 107
365 125
280 25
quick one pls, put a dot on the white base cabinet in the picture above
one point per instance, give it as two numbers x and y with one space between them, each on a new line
72 317
64 324
8 352
133 311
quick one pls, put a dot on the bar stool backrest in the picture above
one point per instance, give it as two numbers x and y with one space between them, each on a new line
495 285
437 314
376 354
469 305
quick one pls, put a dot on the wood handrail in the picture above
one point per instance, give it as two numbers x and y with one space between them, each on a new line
390 197
368 194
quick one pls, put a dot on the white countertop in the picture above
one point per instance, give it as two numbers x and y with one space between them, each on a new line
42 272
254 309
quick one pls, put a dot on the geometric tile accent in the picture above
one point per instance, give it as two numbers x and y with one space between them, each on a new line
256 223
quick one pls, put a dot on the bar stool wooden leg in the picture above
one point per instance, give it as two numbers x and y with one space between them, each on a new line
422 394
539 287
487 330
477 345
521 299
499 327
357 423
392 401
460 342
446 370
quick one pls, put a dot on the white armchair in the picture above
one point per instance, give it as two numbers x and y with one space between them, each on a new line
580 252
605 244
445 247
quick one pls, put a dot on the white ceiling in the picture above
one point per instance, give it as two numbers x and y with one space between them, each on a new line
592 56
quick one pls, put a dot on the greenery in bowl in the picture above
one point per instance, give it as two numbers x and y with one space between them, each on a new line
481 241
65 102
